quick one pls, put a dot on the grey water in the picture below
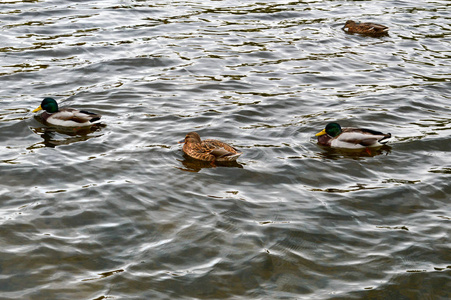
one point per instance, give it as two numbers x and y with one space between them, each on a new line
121 213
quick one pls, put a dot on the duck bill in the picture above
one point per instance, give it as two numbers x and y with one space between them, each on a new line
38 109
182 141
322 132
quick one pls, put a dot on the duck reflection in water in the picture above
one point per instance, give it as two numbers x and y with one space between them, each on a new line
193 165
357 154
55 136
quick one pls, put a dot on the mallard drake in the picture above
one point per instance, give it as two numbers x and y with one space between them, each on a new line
365 28
66 116
351 138
209 149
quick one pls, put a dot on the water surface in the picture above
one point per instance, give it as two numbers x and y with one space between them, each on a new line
120 213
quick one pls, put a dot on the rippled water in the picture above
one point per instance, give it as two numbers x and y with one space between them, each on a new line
119 213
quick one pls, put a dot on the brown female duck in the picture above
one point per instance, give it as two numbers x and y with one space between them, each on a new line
209 149
365 28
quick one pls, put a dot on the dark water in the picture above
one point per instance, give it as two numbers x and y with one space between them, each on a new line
119 213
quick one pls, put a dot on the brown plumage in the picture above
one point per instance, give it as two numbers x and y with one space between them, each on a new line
208 150
365 28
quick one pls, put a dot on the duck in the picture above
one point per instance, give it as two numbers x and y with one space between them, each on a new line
66 116
351 138
365 28
208 150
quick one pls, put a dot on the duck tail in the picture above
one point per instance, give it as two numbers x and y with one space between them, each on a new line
384 140
232 156
94 117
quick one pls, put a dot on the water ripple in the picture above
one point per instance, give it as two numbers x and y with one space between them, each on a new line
120 212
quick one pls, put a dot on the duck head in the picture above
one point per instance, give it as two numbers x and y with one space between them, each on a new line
49 105
332 129
191 137
349 23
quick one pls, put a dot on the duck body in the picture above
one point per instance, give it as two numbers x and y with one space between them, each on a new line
371 29
66 116
209 149
351 138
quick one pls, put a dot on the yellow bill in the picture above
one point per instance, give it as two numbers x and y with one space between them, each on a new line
322 132
37 109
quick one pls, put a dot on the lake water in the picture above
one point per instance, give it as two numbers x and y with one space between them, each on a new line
120 213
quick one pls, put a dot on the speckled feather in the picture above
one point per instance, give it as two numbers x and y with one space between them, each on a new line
209 149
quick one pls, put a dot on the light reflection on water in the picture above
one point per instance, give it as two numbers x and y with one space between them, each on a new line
120 212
